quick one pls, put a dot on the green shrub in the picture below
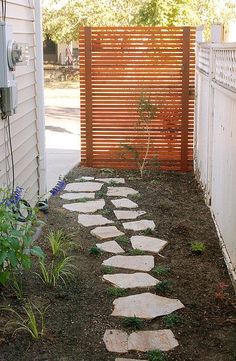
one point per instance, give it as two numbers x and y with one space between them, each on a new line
122 239
16 239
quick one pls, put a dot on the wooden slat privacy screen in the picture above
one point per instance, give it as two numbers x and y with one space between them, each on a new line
117 65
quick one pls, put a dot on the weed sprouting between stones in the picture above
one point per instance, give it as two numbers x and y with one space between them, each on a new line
108 171
134 323
172 320
123 239
101 194
136 252
94 251
116 292
107 270
163 286
161 270
107 212
135 196
148 232
83 200
156 355
114 183
197 247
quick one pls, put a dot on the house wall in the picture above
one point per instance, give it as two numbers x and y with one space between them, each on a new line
26 127
215 139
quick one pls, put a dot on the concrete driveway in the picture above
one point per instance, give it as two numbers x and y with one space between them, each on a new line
62 132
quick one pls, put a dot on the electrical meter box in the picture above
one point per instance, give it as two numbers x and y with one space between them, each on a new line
11 53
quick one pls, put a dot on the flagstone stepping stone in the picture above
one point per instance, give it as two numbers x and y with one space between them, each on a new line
87 207
89 220
72 196
133 280
120 191
137 263
163 340
128 214
110 246
145 305
116 341
139 225
124 203
149 244
84 179
109 180
106 232
83 187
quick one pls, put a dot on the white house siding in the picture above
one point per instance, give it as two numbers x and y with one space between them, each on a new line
26 132
215 139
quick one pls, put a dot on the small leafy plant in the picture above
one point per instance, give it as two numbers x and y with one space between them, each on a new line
136 252
163 286
116 292
95 251
83 200
198 247
172 320
62 270
156 355
161 270
134 323
33 322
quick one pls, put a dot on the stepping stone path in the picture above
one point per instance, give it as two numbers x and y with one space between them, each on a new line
128 214
83 187
136 263
106 232
111 247
110 180
120 191
142 305
124 203
83 179
120 342
133 280
145 305
73 196
149 244
88 220
87 207
128 359
139 225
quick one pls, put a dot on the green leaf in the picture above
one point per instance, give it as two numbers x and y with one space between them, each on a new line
3 256
4 276
37 251
26 261
11 256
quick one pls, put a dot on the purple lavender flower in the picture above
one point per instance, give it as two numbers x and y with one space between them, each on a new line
58 188
15 197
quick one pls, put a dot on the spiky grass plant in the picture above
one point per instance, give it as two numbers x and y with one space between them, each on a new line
62 270
116 292
136 252
123 239
161 270
94 251
60 242
163 286
32 322
172 320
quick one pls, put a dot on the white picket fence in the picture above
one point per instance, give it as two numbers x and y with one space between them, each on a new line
215 139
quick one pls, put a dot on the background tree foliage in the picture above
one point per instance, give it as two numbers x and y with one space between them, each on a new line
62 19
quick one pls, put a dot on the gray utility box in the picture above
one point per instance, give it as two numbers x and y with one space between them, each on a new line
7 78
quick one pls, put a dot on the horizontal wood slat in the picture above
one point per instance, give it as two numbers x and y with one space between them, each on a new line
116 66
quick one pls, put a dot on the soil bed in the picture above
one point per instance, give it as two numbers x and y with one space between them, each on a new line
79 313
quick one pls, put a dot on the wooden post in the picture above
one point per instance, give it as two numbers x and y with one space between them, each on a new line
88 96
185 99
